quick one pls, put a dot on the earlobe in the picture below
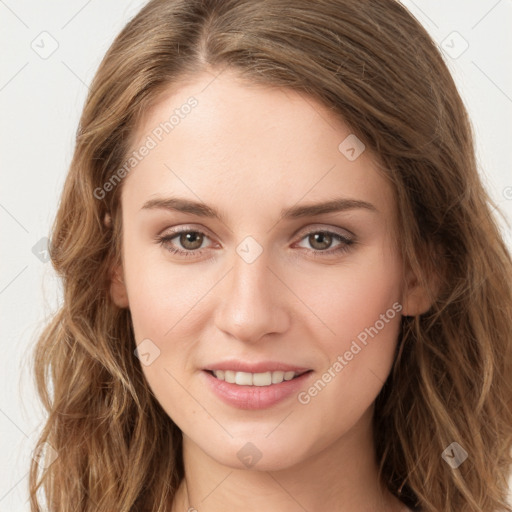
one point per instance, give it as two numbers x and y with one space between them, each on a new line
418 297
118 290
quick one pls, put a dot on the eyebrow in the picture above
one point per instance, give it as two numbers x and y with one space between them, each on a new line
306 210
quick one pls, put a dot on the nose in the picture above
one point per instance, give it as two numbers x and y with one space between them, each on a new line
252 301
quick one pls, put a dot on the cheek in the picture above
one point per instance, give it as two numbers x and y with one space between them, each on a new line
352 297
163 305
162 295
361 304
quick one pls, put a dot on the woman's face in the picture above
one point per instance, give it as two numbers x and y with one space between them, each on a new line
266 282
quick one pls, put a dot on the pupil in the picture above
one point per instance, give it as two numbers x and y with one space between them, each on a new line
189 240
320 238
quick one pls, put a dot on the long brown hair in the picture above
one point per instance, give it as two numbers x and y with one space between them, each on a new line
375 66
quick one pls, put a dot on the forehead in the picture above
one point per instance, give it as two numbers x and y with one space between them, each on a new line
242 145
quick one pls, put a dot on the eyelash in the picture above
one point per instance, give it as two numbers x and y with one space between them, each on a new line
342 248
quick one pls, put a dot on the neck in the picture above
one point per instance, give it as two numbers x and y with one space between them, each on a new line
343 477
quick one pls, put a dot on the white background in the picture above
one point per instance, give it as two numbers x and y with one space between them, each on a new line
41 100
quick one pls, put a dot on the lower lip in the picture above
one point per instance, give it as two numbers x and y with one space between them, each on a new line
255 397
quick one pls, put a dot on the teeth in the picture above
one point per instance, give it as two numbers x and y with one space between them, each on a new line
277 377
243 379
253 379
229 376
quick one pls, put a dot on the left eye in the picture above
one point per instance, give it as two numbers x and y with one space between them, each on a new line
191 242
322 240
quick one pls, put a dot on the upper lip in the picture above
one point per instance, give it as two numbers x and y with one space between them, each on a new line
255 367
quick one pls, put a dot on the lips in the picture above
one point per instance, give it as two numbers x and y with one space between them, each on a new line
256 367
254 385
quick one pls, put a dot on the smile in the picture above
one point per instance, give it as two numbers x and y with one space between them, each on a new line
256 390
254 379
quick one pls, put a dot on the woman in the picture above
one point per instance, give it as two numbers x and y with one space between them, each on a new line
283 286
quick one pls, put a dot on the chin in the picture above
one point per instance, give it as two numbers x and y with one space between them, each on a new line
258 453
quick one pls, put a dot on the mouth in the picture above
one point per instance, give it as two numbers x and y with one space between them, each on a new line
262 385
260 379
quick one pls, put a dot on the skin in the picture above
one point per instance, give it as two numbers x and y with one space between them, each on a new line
250 151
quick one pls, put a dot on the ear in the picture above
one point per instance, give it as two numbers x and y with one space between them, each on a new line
419 296
118 290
